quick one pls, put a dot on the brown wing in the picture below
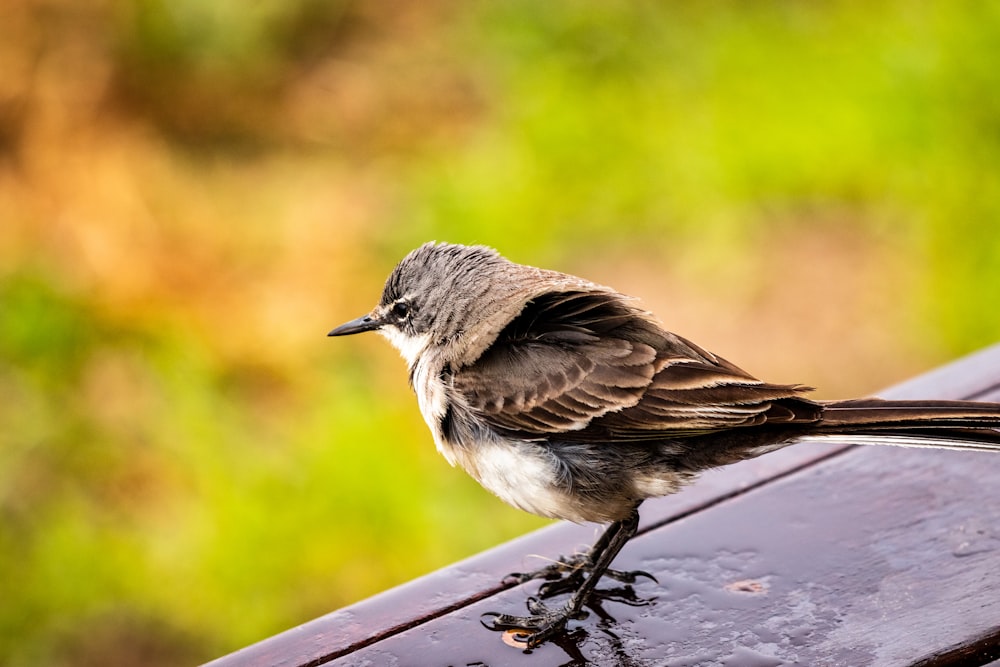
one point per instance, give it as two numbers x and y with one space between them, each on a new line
591 367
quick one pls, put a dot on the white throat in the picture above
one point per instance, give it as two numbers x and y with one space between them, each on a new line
409 346
431 393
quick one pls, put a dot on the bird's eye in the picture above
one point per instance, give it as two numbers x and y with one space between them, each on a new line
401 309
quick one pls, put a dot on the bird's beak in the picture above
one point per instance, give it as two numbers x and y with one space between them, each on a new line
366 323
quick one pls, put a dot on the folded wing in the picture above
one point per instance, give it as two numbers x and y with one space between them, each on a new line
590 367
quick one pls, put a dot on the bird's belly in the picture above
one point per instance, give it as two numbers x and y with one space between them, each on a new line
521 474
531 477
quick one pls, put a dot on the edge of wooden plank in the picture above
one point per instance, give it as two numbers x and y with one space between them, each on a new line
475 578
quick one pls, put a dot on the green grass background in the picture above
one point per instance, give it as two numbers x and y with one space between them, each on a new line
192 193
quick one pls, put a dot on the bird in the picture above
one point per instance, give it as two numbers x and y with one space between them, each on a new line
567 400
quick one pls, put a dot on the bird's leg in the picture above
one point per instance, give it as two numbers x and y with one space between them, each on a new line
567 573
545 622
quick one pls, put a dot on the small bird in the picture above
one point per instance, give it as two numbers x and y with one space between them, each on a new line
565 399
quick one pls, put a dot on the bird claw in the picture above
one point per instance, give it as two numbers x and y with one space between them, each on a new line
573 580
567 584
531 630
543 623
551 572
565 574
628 576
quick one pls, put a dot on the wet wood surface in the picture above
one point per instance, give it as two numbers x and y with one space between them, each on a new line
813 555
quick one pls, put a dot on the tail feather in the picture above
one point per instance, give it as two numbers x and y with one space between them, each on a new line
966 425
908 440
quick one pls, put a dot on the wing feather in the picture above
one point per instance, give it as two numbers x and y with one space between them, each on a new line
590 367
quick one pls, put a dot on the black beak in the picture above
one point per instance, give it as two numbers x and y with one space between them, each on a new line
366 323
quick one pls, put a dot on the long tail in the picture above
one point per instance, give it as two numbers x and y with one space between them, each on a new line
966 425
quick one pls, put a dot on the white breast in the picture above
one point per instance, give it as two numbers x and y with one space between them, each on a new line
519 473
522 474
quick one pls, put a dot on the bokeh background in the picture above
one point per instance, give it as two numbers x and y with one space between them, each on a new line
192 193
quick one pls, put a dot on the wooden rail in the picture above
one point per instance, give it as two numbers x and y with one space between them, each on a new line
813 555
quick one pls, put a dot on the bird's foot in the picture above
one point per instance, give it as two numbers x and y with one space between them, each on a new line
574 580
566 575
544 623
553 571
530 631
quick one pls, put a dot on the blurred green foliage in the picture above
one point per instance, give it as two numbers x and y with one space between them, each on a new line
193 193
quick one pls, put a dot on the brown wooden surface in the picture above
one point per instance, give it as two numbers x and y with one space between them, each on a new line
812 555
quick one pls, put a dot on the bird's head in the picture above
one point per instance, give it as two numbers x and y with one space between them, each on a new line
455 298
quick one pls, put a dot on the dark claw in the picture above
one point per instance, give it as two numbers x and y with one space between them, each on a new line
515 578
566 574
572 581
511 622
530 631
552 572
493 620
536 628
629 577
567 584
536 607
